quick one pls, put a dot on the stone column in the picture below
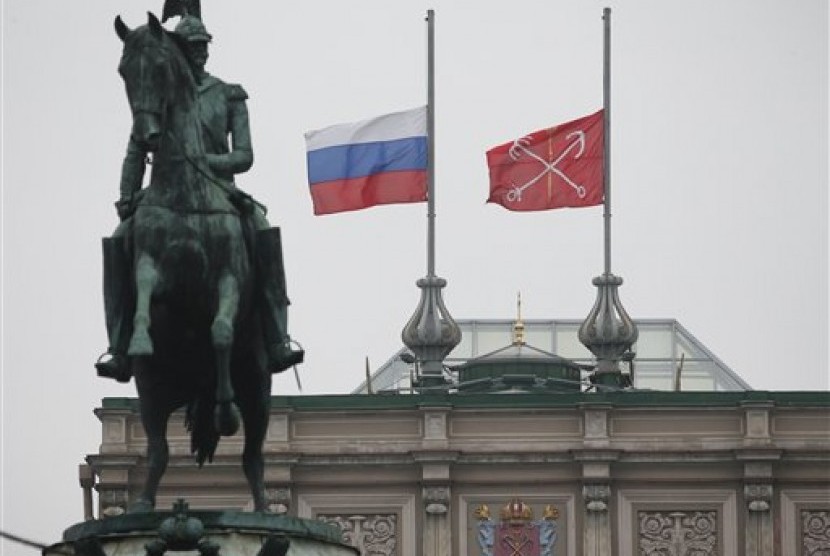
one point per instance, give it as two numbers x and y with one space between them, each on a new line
112 502
437 535
596 461
597 529
759 456
757 423
87 480
435 421
278 484
435 462
278 499
759 524
113 484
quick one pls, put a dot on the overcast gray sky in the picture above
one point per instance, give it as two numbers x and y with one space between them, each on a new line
719 170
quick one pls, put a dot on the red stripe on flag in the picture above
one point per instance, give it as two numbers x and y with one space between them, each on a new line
368 191
552 168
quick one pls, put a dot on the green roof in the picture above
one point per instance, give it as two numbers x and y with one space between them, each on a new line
630 398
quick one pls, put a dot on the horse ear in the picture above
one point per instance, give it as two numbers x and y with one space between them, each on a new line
121 28
154 24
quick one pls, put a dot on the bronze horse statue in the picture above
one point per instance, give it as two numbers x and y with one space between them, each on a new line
195 342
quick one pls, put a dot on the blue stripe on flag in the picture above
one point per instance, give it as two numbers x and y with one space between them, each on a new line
365 159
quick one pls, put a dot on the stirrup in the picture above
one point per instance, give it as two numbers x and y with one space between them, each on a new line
114 367
287 358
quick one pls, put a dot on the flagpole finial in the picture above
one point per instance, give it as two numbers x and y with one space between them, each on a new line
431 332
608 332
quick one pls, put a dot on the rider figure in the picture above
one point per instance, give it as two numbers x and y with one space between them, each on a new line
222 112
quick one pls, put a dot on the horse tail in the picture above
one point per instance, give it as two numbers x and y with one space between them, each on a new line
203 435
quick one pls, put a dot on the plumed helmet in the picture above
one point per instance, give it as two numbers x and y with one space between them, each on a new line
192 29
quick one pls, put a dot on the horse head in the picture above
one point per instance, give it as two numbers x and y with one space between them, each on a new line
156 75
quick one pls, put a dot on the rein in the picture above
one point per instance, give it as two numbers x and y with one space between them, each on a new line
230 191
205 174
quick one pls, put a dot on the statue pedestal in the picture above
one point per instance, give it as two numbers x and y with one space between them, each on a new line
204 533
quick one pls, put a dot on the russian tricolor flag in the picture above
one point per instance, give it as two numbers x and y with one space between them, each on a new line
377 161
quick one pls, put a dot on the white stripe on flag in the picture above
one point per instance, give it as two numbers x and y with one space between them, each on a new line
398 125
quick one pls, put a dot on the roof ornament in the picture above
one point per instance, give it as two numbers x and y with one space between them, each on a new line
608 332
519 325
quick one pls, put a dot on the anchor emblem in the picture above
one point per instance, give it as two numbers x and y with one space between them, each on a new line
520 148
517 545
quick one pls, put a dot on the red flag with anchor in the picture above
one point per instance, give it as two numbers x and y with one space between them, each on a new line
553 168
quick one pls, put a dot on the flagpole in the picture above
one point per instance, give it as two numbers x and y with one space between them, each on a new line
606 102
430 143
431 332
608 332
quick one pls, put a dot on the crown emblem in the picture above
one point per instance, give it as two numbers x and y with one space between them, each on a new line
516 512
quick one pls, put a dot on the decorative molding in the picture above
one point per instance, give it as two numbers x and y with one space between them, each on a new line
565 503
115 431
758 497
516 531
596 497
112 501
359 503
372 534
596 424
435 425
278 428
632 502
278 500
793 503
436 499
677 532
758 424
815 532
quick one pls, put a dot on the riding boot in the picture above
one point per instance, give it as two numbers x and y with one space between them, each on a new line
274 302
118 300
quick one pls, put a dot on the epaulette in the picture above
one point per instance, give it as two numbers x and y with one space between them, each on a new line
235 92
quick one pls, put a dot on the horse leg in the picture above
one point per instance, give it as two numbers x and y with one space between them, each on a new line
253 394
146 278
254 468
154 419
222 330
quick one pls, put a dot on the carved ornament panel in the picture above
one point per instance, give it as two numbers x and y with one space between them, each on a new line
815 532
677 533
372 534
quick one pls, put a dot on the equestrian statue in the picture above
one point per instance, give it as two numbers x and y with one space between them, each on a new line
194 284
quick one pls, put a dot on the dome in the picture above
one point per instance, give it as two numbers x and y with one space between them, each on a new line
519 368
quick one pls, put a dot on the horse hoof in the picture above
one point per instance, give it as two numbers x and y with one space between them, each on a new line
141 506
226 418
140 344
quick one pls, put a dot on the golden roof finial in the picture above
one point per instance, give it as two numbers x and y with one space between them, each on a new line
519 325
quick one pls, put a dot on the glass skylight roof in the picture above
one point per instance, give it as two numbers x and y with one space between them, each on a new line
664 347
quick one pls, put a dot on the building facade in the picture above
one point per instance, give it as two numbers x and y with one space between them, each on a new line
623 473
